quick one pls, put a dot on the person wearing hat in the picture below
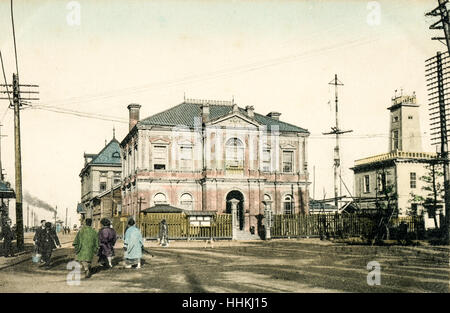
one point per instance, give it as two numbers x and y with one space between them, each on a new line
132 245
107 239
86 246
47 242
7 235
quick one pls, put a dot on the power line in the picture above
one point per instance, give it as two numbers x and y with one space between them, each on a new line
14 37
197 78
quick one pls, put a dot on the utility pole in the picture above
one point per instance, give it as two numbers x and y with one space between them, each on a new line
1 166
437 75
336 131
17 103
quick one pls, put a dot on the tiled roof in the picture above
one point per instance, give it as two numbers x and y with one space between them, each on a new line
110 154
185 114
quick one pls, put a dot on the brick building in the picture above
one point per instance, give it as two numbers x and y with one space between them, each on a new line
200 154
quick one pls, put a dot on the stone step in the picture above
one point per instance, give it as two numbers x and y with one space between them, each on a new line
243 235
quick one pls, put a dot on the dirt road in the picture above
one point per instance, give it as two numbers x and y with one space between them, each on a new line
286 266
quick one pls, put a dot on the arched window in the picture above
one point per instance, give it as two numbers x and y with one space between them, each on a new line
288 204
116 155
186 202
234 153
160 198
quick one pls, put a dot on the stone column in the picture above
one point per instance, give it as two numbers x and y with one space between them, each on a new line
267 217
234 203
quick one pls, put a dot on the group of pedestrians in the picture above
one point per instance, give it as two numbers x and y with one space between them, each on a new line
88 242
46 240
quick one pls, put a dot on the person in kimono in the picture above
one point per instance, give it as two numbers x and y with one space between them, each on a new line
86 246
163 234
132 245
107 239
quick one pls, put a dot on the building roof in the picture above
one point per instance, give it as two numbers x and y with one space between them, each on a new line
186 112
163 208
6 192
110 154
395 155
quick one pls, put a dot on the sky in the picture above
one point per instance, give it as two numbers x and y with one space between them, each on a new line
99 56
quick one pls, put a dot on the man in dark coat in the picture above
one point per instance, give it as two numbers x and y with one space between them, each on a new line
107 239
47 240
8 237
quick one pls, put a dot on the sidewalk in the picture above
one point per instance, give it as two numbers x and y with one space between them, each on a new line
19 257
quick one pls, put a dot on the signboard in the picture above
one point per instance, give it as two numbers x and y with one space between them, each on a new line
202 221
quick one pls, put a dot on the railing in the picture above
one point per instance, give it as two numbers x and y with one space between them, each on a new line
394 155
334 225
179 226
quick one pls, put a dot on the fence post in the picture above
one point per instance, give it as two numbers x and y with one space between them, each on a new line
234 203
267 218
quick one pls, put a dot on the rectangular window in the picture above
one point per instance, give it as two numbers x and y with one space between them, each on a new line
102 186
381 182
395 139
266 161
366 184
159 157
116 181
287 208
186 158
288 159
412 180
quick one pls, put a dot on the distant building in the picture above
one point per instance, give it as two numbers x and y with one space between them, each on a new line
200 154
401 167
101 173
106 204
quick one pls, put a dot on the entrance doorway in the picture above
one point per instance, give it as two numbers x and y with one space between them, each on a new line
240 207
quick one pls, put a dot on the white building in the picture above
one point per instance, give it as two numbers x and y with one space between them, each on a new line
402 167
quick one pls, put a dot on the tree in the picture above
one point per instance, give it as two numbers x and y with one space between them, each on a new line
386 203
434 191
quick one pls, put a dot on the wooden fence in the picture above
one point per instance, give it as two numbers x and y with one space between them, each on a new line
180 227
334 225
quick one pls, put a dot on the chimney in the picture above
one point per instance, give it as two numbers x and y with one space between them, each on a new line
249 109
133 109
205 112
274 115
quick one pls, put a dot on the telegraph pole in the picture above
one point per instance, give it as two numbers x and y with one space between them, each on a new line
438 91
336 131
17 103
18 163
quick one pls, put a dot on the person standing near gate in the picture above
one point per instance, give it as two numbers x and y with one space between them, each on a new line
163 234
107 239
133 245
7 235
86 246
